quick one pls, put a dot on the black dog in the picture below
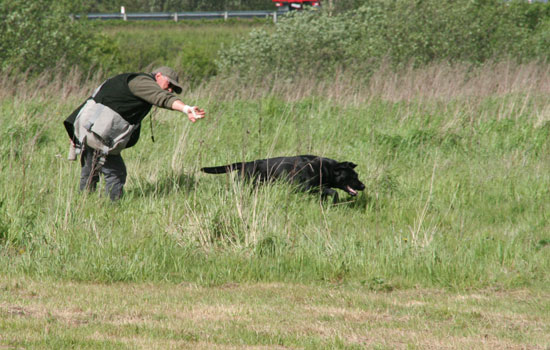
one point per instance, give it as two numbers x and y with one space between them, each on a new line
311 173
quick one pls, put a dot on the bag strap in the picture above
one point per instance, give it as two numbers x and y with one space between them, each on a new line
151 123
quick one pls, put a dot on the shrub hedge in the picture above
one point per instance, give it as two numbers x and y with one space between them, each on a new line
400 32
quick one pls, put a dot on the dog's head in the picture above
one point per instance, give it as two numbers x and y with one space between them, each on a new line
345 178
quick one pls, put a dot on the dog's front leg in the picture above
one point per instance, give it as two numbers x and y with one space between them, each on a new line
330 192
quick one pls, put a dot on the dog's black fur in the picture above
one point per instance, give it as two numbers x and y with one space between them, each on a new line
310 173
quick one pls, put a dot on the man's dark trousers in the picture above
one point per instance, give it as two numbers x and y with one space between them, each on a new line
113 170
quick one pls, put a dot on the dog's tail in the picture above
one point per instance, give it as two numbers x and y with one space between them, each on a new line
222 169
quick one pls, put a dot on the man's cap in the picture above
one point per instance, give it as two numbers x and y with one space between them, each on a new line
172 77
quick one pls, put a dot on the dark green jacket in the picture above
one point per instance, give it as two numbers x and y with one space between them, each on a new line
131 95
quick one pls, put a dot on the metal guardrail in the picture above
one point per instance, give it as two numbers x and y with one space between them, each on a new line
176 16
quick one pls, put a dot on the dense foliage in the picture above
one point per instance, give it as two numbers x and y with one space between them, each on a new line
400 32
41 35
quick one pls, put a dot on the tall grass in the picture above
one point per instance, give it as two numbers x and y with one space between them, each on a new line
455 161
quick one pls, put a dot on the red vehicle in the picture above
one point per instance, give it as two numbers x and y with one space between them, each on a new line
295 4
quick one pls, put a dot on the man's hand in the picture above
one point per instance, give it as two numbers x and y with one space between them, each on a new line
194 113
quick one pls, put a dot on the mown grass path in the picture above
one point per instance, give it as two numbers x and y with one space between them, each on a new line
61 315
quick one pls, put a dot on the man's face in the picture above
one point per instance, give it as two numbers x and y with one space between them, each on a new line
163 82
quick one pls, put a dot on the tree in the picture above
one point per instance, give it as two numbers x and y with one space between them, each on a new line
40 34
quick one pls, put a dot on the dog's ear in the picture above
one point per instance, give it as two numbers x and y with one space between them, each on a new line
344 165
347 165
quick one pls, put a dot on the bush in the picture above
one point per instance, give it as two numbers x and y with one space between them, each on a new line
301 40
426 31
39 35
401 32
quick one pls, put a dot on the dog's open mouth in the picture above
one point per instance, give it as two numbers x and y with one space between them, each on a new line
351 191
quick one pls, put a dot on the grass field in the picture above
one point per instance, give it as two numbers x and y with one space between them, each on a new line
448 246
456 193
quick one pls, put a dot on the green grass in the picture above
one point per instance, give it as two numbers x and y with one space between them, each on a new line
456 196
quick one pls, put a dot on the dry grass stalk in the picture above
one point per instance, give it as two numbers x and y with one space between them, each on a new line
434 82
437 81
